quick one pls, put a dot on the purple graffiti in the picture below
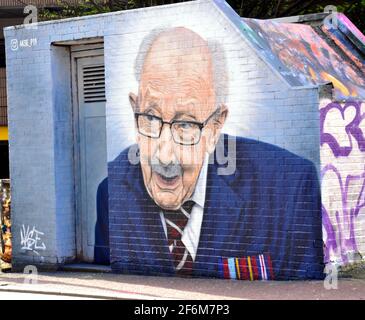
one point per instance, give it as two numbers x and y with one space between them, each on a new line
352 129
341 209
349 214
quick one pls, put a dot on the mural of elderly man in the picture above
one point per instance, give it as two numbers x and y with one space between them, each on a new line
173 213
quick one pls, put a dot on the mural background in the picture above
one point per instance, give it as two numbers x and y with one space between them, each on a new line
260 106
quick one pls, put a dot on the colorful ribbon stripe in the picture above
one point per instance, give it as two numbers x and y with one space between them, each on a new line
247 268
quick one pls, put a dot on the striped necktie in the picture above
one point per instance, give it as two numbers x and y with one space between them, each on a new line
175 224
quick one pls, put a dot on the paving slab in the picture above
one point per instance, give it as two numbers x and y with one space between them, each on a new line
117 286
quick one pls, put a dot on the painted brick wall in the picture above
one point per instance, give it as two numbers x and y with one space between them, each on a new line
38 79
262 106
343 178
256 93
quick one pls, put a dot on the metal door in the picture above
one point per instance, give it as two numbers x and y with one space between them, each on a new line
90 144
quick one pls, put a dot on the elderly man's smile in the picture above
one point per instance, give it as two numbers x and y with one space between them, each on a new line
164 182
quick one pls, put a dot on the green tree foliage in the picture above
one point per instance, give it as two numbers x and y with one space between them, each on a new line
260 9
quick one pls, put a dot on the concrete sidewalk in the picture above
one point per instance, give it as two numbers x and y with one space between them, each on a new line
112 286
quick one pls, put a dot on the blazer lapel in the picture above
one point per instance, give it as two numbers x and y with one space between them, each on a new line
222 216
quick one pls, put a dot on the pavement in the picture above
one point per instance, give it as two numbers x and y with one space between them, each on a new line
4 295
82 285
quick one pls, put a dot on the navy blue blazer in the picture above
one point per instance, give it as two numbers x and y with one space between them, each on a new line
270 205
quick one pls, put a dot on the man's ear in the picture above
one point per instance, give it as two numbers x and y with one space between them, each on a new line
134 104
218 122
221 118
133 100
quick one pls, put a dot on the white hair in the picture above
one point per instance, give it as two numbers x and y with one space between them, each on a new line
220 75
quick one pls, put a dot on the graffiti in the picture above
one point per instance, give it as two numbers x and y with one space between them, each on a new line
349 119
343 179
345 30
308 57
30 239
346 240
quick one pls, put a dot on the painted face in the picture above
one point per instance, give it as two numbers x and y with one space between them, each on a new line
176 85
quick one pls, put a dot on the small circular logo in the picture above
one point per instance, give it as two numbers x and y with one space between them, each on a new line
14 44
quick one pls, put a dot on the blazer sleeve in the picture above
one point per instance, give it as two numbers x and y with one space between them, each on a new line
101 249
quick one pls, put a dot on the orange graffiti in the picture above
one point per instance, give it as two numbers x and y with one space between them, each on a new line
337 83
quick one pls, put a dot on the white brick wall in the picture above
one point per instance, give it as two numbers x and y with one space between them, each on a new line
343 180
261 104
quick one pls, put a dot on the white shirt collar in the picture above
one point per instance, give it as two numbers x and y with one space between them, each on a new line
199 193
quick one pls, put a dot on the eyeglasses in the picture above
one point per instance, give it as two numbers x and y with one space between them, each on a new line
183 132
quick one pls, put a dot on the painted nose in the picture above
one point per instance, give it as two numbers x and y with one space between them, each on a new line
166 146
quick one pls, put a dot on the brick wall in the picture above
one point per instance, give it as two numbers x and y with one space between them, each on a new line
262 107
281 214
41 133
343 180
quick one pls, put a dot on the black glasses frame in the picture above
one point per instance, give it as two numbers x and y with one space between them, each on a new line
201 125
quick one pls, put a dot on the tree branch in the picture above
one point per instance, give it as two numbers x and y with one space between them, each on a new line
296 7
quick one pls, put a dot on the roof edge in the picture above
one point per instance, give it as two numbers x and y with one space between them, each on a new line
343 23
246 33
315 18
351 32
